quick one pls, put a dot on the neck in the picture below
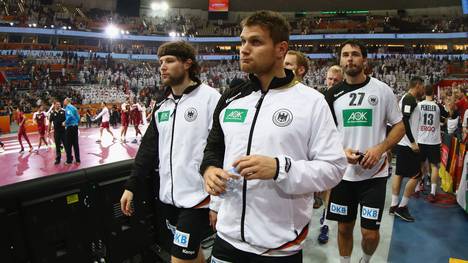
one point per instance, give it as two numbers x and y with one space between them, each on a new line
179 89
412 92
265 79
361 78
429 98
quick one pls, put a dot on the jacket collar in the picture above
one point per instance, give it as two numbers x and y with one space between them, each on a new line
194 85
275 82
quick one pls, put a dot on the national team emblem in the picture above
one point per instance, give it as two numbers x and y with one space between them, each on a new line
190 114
373 100
282 117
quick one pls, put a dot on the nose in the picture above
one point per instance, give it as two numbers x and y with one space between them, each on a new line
245 49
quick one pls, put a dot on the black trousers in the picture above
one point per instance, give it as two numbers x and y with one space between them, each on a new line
71 135
59 140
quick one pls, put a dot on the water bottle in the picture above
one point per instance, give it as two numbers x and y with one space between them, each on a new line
233 186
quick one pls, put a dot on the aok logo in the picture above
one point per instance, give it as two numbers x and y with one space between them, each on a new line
235 115
163 116
357 117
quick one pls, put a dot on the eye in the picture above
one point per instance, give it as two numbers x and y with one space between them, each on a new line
256 42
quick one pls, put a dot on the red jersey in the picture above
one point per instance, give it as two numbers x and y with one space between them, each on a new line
135 115
19 119
462 106
40 119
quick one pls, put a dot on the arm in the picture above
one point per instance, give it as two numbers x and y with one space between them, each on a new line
326 164
146 162
213 158
51 122
99 115
34 118
408 107
213 155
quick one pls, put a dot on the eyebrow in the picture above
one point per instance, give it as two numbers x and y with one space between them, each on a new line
256 37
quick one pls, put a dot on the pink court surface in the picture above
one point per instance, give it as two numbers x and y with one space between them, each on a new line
18 167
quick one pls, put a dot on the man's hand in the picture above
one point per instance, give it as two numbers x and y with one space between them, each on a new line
215 180
126 203
213 216
352 156
372 156
415 147
256 167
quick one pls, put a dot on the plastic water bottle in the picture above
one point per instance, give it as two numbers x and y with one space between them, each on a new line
233 186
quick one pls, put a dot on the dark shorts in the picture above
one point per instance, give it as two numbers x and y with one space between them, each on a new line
347 196
223 252
105 124
407 161
189 226
430 152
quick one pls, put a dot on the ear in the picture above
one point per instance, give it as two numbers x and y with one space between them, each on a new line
188 64
301 70
282 49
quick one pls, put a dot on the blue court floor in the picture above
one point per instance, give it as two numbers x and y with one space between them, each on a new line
439 233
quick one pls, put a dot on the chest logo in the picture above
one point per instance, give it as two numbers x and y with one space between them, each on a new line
235 115
163 116
190 114
282 117
357 117
373 100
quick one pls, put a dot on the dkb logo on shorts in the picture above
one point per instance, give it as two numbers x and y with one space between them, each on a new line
338 209
181 239
370 213
357 117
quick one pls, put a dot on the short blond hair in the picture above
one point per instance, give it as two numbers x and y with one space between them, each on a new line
336 69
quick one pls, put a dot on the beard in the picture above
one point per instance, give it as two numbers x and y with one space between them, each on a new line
353 71
174 80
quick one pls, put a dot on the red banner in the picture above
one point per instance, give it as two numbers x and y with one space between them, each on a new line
218 5
444 154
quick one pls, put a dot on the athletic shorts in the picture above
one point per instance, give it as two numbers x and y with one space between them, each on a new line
430 152
105 124
347 196
189 226
407 161
223 252
124 122
41 130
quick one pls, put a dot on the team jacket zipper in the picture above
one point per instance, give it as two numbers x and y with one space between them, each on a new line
244 188
172 144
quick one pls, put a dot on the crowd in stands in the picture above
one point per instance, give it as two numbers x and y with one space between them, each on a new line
34 14
96 80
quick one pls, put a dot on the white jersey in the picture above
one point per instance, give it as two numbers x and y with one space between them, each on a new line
408 106
293 124
362 113
104 114
429 123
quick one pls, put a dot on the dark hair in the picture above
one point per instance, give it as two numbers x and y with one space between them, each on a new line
301 59
274 22
415 81
429 90
183 51
354 43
